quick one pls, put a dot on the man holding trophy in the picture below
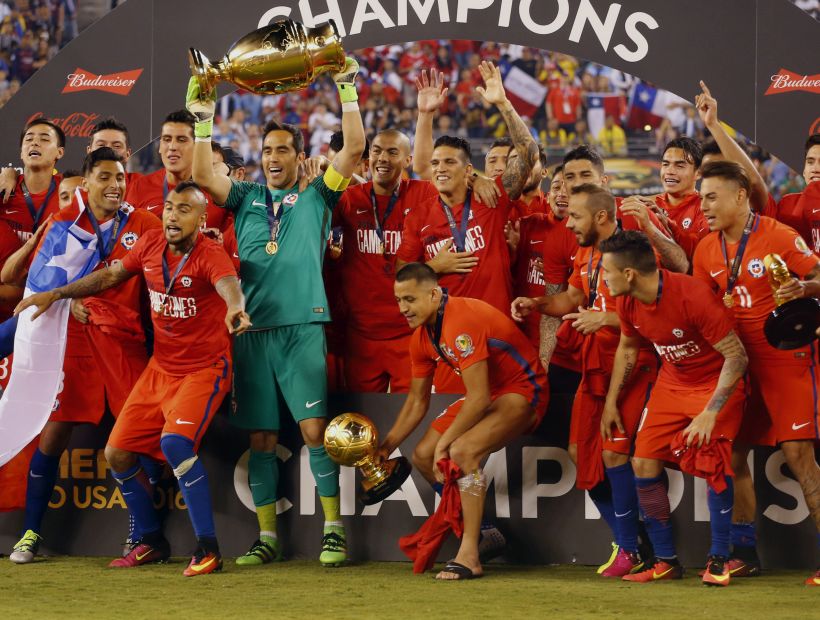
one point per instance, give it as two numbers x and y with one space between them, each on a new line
281 233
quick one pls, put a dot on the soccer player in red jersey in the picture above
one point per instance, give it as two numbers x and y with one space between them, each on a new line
107 343
72 179
802 211
506 393
588 303
495 160
783 383
372 216
35 197
190 280
697 401
176 149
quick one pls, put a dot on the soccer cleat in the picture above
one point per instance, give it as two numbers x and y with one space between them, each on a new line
144 553
659 571
742 568
261 552
26 548
813 580
491 543
203 562
612 558
717 571
626 563
334 546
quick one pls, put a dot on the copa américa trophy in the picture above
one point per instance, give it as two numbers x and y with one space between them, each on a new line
793 323
351 439
280 57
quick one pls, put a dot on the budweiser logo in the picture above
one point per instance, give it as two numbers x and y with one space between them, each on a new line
116 83
786 82
75 125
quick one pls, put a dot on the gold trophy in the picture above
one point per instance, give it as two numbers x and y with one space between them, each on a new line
351 439
278 58
793 323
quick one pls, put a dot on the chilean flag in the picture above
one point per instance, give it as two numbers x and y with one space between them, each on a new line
525 92
601 105
647 106
66 253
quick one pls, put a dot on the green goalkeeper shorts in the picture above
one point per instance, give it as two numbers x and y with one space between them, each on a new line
276 370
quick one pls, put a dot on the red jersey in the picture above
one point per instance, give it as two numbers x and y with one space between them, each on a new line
682 324
472 331
426 230
686 221
20 215
752 295
149 191
564 103
802 212
9 244
539 204
189 328
367 272
116 310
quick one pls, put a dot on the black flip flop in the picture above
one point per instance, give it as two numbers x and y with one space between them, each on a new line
458 569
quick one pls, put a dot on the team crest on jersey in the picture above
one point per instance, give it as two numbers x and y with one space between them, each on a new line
756 268
448 351
801 246
126 208
677 332
185 281
129 239
290 199
464 344
687 222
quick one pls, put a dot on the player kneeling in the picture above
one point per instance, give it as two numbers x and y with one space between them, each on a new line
190 281
506 393
696 406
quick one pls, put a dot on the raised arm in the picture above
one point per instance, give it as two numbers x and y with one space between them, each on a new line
236 319
348 158
88 286
431 95
518 169
706 106
217 185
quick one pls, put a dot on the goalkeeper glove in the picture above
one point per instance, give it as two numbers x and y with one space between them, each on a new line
202 108
346 81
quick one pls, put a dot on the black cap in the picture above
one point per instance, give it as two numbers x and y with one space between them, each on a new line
232 159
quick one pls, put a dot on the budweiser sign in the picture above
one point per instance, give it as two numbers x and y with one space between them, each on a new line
75 125
786 82
116 83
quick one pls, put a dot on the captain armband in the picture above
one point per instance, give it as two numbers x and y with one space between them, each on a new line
334 180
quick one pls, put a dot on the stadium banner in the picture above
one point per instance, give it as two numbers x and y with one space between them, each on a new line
532 497
760 57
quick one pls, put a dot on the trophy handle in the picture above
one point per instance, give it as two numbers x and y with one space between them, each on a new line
203 71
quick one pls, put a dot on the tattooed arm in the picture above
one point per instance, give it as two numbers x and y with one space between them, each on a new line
548 328
626 357
236 319
735 361
88 286
518 169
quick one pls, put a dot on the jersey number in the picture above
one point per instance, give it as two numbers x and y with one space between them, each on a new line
743 296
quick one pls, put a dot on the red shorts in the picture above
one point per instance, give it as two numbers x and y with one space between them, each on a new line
786 390
585 425
161 403
109 372
376 365
445 419
671 409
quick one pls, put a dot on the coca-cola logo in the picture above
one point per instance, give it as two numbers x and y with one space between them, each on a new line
786 81
117 83
75 125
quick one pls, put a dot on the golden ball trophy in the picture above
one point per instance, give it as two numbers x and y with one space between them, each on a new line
281 57
351 439
793 323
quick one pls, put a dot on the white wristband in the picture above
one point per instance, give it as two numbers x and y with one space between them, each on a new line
350 106
200 139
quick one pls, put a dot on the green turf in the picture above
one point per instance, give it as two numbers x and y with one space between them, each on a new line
83 587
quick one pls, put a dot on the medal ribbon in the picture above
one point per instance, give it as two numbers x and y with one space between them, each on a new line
592 278
275 217
37 215
435 333
167 279
751 223
459 234
103 249
394 198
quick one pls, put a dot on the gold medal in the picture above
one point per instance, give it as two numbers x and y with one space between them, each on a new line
381 248
271 247
728 300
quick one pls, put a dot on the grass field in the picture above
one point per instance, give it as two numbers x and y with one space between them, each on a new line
82 587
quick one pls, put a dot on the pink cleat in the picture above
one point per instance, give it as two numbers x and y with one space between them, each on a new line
625 563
